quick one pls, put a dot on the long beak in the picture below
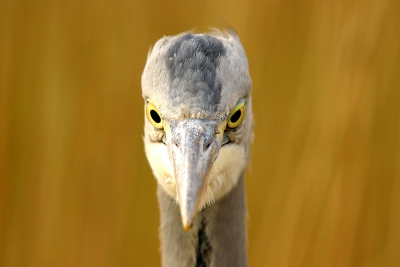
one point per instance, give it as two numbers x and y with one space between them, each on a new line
193 147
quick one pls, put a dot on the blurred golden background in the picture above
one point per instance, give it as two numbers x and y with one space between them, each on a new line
323 188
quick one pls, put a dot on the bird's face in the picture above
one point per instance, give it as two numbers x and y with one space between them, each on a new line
198 117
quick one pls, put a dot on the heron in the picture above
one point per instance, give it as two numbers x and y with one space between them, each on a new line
198 133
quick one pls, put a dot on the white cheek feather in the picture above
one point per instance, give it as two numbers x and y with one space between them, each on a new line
157 154
223 176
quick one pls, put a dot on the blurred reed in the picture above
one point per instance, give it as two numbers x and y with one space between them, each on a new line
324 183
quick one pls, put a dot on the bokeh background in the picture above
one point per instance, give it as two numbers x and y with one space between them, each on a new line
323 187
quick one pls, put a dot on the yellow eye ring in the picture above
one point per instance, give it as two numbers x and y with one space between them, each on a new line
153 115
237 115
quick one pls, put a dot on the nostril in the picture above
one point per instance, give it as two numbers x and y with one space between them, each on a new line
175 143
208 144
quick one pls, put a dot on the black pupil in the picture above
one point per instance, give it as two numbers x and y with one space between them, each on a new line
236 116
154 115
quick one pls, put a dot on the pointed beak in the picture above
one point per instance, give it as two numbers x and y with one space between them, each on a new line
193 147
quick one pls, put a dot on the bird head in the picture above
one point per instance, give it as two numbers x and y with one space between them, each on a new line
198 117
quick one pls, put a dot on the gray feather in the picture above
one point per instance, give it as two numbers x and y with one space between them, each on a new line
180 248
199 72
192 61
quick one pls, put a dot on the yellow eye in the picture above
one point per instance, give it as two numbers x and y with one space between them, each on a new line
237 115
152 114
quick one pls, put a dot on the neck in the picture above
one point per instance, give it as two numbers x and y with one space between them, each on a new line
218 235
